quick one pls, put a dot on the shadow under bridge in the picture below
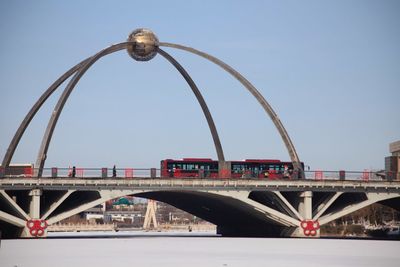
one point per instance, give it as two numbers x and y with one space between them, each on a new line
232 216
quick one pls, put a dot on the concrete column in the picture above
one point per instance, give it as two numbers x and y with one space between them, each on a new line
34 207
305 204
34 212
308 227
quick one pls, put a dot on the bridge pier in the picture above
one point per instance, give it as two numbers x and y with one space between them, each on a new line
305 204
308 227
34 206
35 227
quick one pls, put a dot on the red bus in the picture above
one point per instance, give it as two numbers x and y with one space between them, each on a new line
189 167
18 170
208 168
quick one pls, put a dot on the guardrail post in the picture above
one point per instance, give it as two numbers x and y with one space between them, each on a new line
129 173
365 175
342 175
104 172
153 173
79 172
54 172
318 175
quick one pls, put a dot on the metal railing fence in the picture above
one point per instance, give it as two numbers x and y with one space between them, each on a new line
130 173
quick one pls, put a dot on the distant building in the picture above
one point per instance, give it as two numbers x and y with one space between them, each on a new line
128 217
392 163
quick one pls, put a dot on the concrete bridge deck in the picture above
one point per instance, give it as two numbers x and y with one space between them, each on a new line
96 183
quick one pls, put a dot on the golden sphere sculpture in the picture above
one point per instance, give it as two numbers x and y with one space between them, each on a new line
145 44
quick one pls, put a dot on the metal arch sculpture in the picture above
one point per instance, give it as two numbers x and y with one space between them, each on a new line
142 45
32 112
202 102
79 71
267 107
75 79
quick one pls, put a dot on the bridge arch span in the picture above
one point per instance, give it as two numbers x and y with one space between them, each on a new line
230 214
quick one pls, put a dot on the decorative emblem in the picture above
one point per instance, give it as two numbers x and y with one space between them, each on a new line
36 227
310 227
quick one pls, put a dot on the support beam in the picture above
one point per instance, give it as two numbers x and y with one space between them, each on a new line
272 214
325 205
56 204
372 198
77 210
286 204
104 196
14 205
12 219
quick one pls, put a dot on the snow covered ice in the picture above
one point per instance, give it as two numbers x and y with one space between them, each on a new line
196 250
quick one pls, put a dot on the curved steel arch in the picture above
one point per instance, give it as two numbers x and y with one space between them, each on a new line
83 66
42 155
202 102
267 107
35 108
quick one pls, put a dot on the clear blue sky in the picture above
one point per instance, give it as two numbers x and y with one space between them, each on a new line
330 69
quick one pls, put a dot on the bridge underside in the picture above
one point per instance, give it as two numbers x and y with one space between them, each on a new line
232 216
239 212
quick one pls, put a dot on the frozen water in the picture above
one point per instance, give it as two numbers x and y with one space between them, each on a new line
156 249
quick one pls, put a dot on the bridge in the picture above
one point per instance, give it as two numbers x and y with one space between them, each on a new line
239 207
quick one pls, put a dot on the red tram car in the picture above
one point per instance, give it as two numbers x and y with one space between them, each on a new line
208 168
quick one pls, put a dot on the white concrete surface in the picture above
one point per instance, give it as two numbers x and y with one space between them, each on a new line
156 249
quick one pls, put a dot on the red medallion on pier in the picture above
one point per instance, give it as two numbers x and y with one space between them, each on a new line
310 227
36 227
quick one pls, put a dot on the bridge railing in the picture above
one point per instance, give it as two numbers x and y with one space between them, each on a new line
130 173
80 172
347 175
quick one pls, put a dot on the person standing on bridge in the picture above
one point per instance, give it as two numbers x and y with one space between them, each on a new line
114 172
286 172
69 171
73 171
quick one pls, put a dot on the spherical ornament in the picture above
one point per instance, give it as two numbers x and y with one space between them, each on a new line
145 46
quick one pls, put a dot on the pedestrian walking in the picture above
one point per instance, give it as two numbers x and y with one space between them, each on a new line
114 172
